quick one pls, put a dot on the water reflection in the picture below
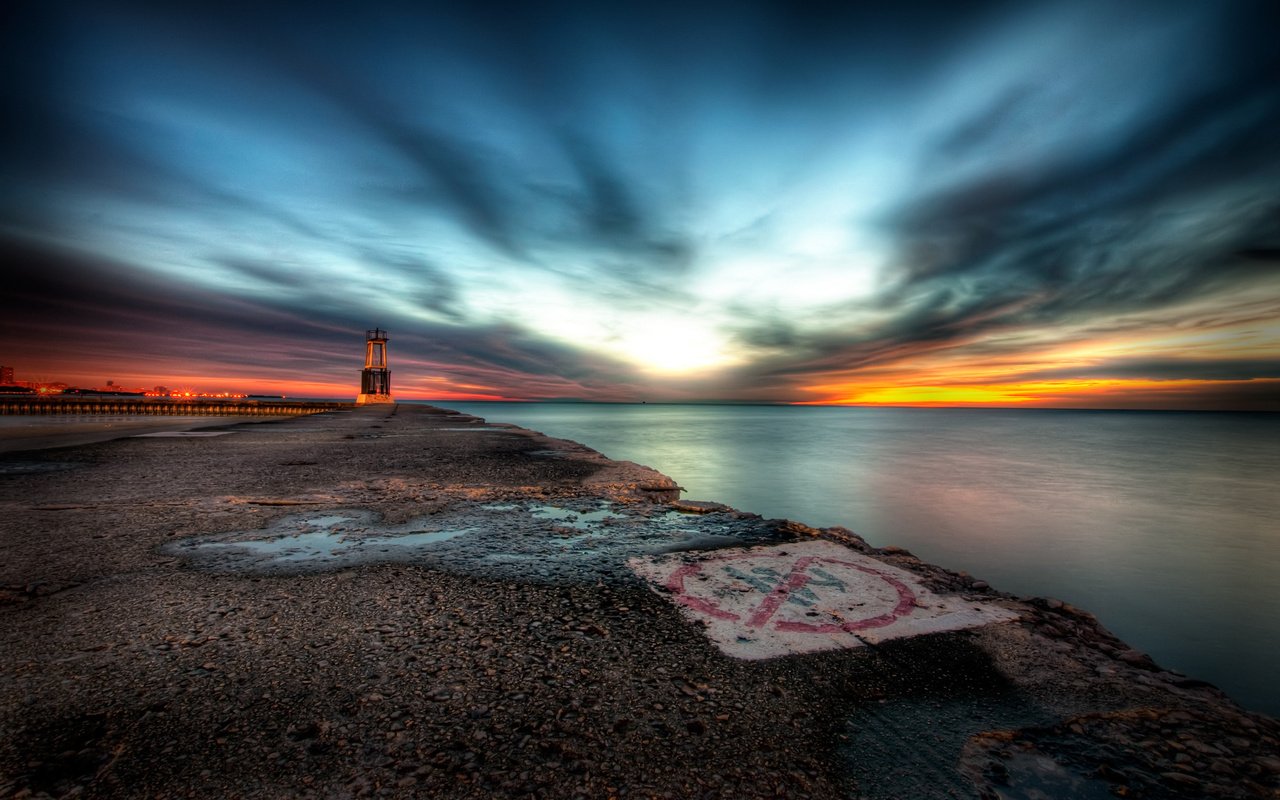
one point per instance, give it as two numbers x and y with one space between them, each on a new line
1166 525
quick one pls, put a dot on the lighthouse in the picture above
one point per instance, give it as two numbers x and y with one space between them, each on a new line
375 379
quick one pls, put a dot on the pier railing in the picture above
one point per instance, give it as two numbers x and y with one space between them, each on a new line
160 406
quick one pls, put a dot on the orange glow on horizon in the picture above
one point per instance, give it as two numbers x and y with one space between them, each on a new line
214 386
1037 394
1156 368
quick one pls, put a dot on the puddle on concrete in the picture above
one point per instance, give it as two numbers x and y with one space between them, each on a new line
302 546
569 518
32 467
330 544
572 541
328 522
313 540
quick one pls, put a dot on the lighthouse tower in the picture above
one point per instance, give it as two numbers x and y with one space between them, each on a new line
375 379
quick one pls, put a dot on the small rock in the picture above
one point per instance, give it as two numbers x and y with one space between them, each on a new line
1202 748
1181 779
698 506
1222 767
1133 657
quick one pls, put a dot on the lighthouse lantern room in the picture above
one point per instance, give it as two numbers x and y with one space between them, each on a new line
375 379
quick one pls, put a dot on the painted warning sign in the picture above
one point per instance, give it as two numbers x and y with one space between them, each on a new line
763 602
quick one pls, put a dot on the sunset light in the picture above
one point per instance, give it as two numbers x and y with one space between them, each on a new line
621 399
1050 394
943 208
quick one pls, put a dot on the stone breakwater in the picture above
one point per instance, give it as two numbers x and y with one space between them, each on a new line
403 601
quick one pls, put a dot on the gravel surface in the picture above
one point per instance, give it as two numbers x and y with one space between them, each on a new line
147 651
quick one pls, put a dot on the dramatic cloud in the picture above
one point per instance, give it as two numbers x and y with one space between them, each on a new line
1067 204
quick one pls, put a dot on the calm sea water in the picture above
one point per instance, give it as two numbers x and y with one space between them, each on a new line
1164 524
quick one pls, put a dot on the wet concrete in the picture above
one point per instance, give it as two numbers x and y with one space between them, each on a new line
409 602
569 541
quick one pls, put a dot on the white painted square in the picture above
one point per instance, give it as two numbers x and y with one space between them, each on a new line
763 602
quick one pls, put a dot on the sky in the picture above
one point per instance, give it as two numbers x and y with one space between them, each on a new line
1065 204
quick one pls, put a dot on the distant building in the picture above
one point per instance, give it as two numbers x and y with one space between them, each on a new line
6 376
101 393
375 379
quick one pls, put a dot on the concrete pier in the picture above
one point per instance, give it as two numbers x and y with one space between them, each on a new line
405 601
158 406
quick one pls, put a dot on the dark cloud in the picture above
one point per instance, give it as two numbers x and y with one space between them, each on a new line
432 288
1238 395
772 333
105 159
1164 369
1080 235
452 171
447 169
516 352
78 306
262 271
1061 223
1264 254
71 308
615 218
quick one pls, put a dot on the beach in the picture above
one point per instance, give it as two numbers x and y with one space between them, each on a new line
405 601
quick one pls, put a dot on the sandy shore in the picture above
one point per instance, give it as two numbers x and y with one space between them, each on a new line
239 616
